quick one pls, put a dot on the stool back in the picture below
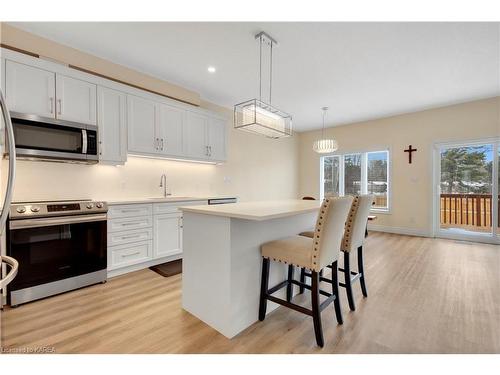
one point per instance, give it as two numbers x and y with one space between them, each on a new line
354 233
329 231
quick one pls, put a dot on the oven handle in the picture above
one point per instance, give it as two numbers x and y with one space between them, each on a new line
51 221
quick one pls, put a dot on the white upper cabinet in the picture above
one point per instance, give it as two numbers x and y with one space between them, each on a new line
76 100
217 139
30 90
129 119
111 120
196 135
170 130
142 119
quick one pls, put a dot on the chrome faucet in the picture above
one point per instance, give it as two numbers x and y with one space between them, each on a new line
163 184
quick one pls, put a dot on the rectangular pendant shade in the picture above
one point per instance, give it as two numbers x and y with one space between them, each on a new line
258 117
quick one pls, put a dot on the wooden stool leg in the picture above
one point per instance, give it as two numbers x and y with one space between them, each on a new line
361 270
264 286
335 290
289 287
302 280
347 278
316 313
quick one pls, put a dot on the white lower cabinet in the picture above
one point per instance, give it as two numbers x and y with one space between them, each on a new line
129 254
121 238
141 235
167 235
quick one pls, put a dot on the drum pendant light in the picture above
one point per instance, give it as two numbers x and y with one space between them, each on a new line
325 145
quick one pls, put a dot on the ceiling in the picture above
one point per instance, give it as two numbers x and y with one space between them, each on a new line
360 70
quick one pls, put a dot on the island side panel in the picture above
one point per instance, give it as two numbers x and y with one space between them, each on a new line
206 269
246 264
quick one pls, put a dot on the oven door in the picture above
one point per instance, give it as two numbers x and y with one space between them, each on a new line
57 248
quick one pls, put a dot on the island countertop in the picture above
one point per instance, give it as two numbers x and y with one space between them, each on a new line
258 211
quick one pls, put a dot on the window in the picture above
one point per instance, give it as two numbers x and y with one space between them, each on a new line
357 173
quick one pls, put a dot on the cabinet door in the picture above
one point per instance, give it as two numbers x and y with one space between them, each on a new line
217 139
29 90
170 130
111 110
76 100
167 235
142 119
196 135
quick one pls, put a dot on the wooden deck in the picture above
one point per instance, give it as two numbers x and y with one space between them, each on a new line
471 212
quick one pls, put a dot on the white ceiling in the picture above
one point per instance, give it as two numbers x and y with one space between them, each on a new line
360 70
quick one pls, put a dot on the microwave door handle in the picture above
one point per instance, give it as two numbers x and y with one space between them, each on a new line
12 163
84 141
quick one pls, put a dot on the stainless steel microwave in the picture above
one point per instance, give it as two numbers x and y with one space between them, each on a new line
54 140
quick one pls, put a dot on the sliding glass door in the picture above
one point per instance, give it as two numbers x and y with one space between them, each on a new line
467 190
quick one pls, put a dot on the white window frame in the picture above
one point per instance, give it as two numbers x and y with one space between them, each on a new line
364 174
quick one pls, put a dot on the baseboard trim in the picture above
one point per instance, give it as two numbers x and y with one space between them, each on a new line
399 230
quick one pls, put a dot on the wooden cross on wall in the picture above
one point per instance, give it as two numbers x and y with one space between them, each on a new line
409 150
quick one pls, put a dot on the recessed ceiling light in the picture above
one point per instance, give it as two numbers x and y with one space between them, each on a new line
211 69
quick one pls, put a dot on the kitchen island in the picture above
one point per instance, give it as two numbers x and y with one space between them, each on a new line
222 262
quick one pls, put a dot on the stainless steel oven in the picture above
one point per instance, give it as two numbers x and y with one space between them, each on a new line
60 246
51 139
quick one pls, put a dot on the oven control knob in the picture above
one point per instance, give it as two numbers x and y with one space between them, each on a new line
21 210
90 206
35 209
99 205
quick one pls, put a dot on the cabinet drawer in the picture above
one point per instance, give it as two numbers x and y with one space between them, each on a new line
120 238
130 254
167 208
129 223
129 210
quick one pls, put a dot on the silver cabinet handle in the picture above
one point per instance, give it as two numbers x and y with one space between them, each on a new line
130 237
210 148
206 151
132 223
131 254
157 144
100 147
51 104
59 102
162 144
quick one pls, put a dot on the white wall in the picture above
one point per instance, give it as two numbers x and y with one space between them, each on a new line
411 183
257 169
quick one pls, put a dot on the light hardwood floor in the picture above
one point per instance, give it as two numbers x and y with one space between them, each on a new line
425 296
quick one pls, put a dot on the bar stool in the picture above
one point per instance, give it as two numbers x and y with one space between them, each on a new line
354 237
310 253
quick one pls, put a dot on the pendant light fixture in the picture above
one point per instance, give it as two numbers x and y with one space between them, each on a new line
325 145
257 116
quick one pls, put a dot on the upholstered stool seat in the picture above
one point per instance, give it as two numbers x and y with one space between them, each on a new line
353 239
314 254
295 250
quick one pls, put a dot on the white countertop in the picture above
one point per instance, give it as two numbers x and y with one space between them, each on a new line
168 199
258 211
